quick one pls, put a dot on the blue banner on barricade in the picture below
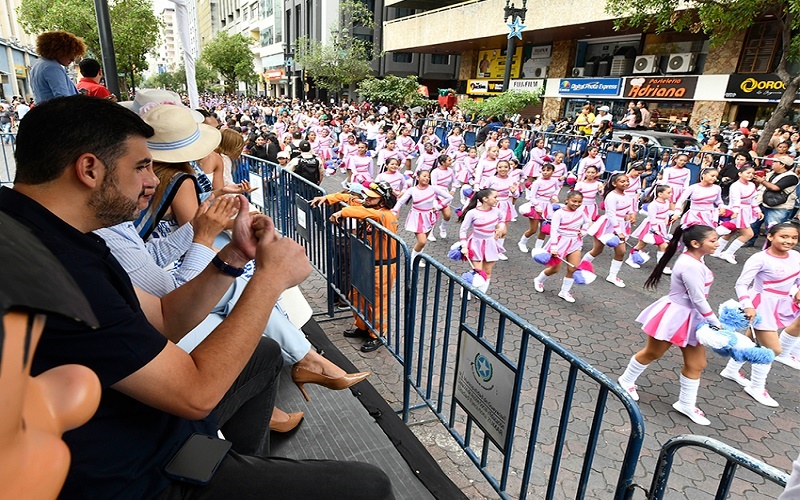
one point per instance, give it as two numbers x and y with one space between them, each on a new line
8 169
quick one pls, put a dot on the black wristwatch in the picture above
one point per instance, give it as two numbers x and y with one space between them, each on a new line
226 268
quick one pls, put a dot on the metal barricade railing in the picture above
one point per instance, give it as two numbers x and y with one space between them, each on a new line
734 458
8 169
475 364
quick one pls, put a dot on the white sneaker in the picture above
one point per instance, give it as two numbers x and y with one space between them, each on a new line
442 232
645 256
737 377
539 287
693 413
502 256
762 396
667 270
788 360
431 237
567 296
631 263
522 247
729 257
616 282
630 389
514 219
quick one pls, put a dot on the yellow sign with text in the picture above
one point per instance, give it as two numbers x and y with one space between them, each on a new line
492 63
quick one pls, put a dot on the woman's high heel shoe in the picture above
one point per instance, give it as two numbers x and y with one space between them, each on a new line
301 376
287 425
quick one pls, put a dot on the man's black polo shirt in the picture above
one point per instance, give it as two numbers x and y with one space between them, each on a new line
122 450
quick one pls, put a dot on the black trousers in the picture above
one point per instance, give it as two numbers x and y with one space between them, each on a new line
246 472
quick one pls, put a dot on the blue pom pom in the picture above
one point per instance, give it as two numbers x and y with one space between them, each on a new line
733 318
336 149
542 258
578 277
467 191
644 206
637 258
467 276
556 207
613 241
759 355
455 254
369 153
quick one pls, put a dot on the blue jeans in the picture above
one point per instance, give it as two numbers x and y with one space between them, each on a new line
772 216
7 137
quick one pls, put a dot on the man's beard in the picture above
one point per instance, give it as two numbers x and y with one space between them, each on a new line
110 206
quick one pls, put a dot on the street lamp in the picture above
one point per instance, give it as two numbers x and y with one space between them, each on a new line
517 17
289 62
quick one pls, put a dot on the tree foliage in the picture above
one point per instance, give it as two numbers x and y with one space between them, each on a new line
723 20
392 90
133 25
507 103
346 58
176 80
230 55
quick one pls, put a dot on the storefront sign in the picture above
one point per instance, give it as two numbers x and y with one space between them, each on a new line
275 74
660 87
21 71
589 86
526 84
484 387
760 86
484 87
492 63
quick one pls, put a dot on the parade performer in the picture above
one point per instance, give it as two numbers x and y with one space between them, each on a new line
590 187
486 167
559 168
359 165
635 177
507 188
505 153
443 176
326 144
677 177
741 200
536 159
422 216
482 228
541 195
593 159
454 141
706 200
388 152
427 159
653 230
394 177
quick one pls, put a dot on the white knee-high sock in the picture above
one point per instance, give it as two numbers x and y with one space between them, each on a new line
414 254
485 287
566 285
443 225
688 395
539 243
796 349
616 265
588 257
541 277
721 248
658 256
758 375
787 343
736 245
524 239
502 242
734 365
632 372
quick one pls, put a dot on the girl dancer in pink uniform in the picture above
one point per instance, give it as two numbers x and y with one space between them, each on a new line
507 188
542 194
454 141
741 201
533 168
482 229
394 177
677 177
443 176
590 187
388 152
705 198
486 167
566 239
655 225
772 273
427 159
673 319
326 144
559 168
593 159
405 145
504 153
359 165
422 216
620 212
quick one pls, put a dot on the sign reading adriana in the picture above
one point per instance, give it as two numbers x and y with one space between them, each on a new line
660 87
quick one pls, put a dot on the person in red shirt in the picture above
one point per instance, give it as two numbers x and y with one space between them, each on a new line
90 83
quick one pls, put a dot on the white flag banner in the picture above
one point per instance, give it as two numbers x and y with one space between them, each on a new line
182 20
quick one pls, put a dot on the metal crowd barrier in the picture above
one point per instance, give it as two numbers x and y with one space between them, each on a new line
733 457
476 366
9 168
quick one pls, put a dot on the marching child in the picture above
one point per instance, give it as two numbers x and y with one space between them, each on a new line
741 200
592 159
674 318
394 177
482 228
533 168
542 194
566 239
590 187
706 200
654 227
506 188
677 177
486 167
442 176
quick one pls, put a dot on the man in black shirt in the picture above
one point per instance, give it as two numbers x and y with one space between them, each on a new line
155 395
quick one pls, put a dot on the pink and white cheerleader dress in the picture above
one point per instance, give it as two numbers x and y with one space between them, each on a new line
443 178
384 155
465 174
676 178
433 139
534 166
453 143
618 206
361 166
634 188
675 317
426 162
705 202
397 180
566 232
741 201
559 172
505 155
424 206
346 150
588 161
481 243
772 279
656 222
540 194
484 171
325 147
589 190
506 189
405 145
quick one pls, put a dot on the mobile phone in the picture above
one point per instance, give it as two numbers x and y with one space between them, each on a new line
198 459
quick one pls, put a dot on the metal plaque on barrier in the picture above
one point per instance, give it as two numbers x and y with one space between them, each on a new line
302 216
484 387
362 269
258 195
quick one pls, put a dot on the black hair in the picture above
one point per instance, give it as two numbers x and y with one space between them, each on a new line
473 202
441 159
698 232
638 166
572 193
548 166
611 181
772 231
71 126
304 146
707 170
89 67
657 190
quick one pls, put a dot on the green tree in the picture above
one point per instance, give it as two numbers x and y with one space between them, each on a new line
722 20
392 90
231 57
165 80
204 76
134 26
346 59
507 103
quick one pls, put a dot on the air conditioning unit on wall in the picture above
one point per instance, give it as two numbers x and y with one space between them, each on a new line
645 65
540 71
681 63
577 72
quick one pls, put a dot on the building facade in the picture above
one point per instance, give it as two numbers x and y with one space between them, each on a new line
17 53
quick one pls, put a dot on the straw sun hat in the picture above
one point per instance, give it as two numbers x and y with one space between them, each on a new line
178 137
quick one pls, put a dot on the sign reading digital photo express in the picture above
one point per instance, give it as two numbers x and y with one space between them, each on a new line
589 86
757 86
660 87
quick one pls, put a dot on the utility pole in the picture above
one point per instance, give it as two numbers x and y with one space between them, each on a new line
517 17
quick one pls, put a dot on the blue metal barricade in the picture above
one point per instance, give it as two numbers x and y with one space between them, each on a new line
733 457
476 364
8 169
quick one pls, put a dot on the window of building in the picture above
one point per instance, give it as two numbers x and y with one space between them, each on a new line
265 7
278 20
402 57
267 37
403 12
761 48
440 59
254 11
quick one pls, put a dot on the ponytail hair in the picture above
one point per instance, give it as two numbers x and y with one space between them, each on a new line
611 181
441 159
473 202
653 194
772 231
698 232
